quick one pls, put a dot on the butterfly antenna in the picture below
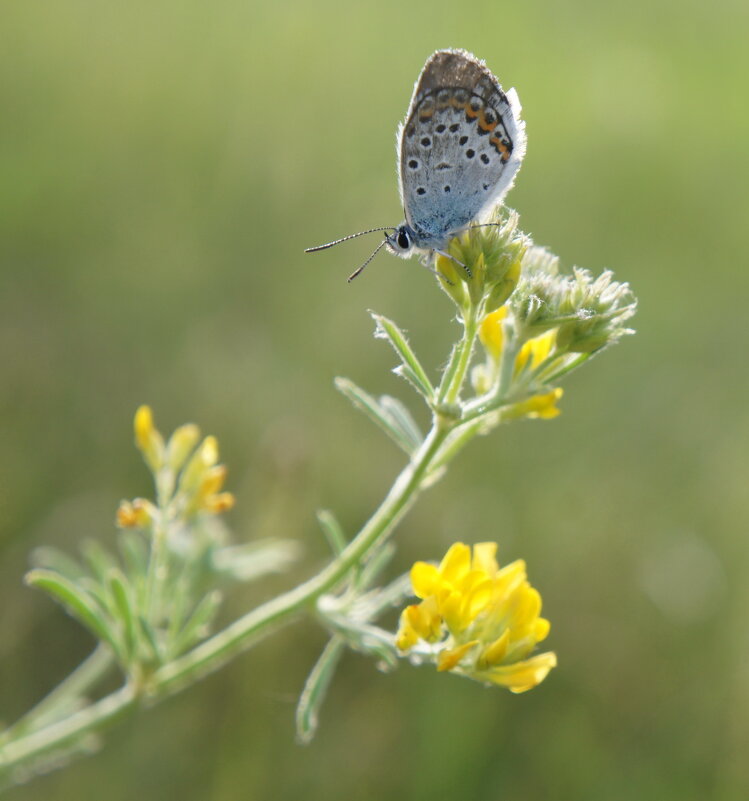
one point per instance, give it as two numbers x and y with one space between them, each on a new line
376 251
350 236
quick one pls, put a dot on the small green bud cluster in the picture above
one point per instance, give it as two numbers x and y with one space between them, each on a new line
491 256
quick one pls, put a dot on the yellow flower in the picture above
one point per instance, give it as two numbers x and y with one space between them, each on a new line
490 332
535 350
138 513
483 622
533 353
209 496
202 480
543 406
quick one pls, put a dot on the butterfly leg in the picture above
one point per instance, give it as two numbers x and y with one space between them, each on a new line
452 258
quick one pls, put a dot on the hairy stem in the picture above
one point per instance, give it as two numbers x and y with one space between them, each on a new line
70 730
460 358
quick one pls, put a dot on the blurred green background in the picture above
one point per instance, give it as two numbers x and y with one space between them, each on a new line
163 165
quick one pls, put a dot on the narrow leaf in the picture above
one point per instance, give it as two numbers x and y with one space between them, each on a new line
411 368
375 565
49 558
122 595
99 560
151 639
393 594
332 530
369 405
99 594
568 367
403 419
197 626
135 558
368 639
134 552
252 560
75 600
316 688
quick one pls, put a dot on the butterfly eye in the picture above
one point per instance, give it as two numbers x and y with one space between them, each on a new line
403 240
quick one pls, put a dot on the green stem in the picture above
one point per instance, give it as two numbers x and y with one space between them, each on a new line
68 731
68 693
455 372
507 367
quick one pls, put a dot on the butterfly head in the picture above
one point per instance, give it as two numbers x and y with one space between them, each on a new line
401 241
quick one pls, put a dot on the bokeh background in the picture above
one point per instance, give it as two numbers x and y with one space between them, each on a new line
163 165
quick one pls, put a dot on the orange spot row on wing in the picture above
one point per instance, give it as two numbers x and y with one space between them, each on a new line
504 151
471 114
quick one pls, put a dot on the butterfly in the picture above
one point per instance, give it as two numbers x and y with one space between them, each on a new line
459 149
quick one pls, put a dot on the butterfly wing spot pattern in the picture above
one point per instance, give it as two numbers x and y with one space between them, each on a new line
459 149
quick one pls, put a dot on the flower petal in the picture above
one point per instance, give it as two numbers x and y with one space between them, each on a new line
494 653
425 579
450 658
524 675
456 563
485 557
491 334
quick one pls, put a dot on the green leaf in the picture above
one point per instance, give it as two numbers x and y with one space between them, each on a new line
374 642
316 688
134 552
390 424
99 560
367 639
49 558
75 600
392 594
197 626
567 368
124 603
332 530
252 560
410 368
99 594
374 565
151 639
401 417
135 557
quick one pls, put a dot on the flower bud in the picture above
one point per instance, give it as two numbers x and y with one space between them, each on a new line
181 445
148 439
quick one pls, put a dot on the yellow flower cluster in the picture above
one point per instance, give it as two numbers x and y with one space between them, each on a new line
186 471
483 621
